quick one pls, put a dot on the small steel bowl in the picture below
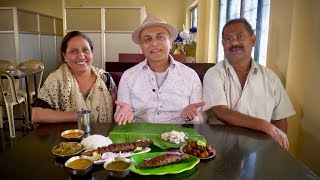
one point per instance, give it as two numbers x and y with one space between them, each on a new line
61 154
72 134
117 173
79 172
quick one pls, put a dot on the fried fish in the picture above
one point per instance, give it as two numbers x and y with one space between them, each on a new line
120 147
163 160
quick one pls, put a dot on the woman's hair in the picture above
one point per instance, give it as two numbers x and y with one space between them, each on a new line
66 39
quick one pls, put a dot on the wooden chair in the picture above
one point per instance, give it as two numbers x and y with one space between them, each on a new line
116 69
9 99
131 57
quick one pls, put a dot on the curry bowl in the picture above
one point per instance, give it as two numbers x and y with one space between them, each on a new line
79 165
118 167
72 134
67 149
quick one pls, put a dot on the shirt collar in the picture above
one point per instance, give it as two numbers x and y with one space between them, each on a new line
253 69
172 65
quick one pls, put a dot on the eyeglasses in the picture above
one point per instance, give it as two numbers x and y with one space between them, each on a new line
238 37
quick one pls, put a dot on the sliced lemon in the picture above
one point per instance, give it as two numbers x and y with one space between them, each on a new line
137 149
202 144
95 156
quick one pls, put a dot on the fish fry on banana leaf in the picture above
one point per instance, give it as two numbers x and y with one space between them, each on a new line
162 160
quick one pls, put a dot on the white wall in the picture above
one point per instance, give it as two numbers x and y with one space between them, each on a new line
97 52
115 45
303 84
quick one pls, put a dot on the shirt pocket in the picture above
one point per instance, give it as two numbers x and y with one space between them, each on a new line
263 107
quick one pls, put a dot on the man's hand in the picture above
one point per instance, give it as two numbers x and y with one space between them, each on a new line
190 112
124 114
279 136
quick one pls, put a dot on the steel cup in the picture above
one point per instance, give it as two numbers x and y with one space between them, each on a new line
84 119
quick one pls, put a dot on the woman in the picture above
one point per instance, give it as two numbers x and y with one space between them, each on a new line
76 85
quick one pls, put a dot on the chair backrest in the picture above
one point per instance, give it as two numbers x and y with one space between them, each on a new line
32 64
116 69
6 65
11 91
131 57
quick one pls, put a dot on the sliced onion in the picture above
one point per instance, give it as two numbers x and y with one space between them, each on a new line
173 153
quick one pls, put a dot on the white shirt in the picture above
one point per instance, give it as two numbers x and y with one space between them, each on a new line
181 86
263 95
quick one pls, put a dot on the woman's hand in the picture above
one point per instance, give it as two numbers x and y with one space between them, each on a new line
124 114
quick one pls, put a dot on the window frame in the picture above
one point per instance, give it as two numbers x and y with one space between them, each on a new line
257 29
193 12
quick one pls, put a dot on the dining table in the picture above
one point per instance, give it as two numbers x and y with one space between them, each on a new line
241 153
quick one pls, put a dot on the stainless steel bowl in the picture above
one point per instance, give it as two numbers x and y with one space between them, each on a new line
79 172
59 152
67 134
117 173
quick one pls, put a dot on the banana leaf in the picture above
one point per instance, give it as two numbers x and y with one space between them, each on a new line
148 131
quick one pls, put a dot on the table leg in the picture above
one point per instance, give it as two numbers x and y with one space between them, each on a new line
35 85
29 122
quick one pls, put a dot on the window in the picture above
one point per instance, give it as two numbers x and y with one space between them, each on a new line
194 17
257 13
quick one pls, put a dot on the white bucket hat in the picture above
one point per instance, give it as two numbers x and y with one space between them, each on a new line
151 20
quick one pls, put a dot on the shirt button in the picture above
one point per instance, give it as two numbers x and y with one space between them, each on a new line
159 92
160 106
158 113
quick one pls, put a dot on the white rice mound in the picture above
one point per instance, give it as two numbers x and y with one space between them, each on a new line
174 136
94 141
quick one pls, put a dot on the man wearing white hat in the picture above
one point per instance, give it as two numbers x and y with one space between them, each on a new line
159 89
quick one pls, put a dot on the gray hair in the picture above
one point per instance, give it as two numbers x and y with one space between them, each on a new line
239 20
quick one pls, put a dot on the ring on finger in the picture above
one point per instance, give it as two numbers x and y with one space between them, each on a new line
187 119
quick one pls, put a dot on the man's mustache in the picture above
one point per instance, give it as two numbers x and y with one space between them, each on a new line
235 46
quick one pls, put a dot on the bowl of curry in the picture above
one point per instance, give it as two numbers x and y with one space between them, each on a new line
79 165
67 149
72 134
118 167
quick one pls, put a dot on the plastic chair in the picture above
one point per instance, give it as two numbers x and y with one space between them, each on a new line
32 64
9 99
6 65
27 65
